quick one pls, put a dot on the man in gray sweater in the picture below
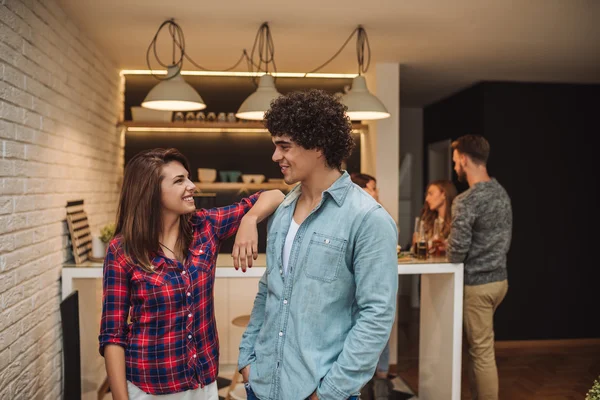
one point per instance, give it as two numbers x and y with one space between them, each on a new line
480 238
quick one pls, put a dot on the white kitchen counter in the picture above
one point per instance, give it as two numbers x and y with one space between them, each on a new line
440 337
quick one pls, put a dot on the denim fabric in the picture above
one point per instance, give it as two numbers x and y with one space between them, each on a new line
324 324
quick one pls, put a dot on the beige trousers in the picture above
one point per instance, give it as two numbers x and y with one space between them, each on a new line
480 303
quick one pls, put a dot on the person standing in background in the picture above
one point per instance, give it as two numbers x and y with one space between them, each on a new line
437 208
382 384
480 237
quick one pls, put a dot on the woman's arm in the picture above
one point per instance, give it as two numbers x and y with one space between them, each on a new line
114 358
113 325
266 204
245 248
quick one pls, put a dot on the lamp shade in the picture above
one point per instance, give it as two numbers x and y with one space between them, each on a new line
255 105
362 105
173 94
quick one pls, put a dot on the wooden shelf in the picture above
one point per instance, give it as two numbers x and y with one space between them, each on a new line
254 125
243 186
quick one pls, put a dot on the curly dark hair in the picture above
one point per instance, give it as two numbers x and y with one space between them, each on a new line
313 119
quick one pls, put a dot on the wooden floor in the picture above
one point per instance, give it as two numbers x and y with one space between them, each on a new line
544 370
548 373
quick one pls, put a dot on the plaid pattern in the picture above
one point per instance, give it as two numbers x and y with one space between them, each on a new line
171 344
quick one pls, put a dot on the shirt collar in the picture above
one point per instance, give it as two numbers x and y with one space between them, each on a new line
338 191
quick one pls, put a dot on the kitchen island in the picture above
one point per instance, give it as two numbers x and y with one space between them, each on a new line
441 299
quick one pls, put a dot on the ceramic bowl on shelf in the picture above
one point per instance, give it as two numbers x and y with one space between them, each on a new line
229 176
207 175
253 178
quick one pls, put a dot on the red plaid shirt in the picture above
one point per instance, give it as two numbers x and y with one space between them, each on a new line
171 344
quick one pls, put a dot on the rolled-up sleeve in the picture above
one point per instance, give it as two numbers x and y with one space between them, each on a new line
225 221
115 302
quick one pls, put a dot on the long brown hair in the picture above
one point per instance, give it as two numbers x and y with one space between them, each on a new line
428 216
139 214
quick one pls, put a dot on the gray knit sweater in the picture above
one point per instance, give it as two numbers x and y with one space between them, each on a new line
481 232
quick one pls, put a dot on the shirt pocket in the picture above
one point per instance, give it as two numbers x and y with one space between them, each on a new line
201 257
324 256
156 292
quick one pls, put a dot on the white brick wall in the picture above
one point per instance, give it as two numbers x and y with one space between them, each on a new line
60 100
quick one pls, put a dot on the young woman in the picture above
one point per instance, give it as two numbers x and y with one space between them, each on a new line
438 205
159 273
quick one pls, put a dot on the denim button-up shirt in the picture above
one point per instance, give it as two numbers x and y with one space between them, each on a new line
324 324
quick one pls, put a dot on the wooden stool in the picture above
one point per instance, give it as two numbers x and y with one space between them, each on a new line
242 322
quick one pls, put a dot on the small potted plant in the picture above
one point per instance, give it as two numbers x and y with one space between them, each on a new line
100 242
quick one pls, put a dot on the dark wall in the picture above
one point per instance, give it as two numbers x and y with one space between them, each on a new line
541 152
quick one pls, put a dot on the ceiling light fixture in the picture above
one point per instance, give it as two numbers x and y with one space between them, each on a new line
362 105
172 93
255 105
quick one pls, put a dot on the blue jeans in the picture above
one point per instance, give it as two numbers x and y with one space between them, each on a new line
251 396
249 392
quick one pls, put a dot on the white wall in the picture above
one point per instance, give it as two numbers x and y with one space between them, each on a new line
60 100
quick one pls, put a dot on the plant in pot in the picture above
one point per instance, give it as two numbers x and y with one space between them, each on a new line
99 246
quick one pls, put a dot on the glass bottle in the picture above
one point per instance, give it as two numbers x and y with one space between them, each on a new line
422 242
415 237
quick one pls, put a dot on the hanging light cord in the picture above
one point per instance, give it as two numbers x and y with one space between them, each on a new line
362 44
263 51
178 39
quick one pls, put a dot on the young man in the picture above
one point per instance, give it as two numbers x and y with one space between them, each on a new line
326 304
480 238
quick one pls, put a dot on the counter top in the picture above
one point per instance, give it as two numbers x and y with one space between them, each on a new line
223 260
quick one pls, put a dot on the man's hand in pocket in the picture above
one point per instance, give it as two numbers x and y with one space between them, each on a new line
245 373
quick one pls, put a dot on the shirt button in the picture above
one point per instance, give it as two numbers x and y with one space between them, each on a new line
189 294
189 336
183 273
152 267
201 252
281 271
280 334
194 356
326 241
189 315
285 302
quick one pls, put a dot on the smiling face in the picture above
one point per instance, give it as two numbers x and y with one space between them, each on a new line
296 163
176 189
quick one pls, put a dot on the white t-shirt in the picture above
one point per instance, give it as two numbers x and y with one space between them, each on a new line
287 247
